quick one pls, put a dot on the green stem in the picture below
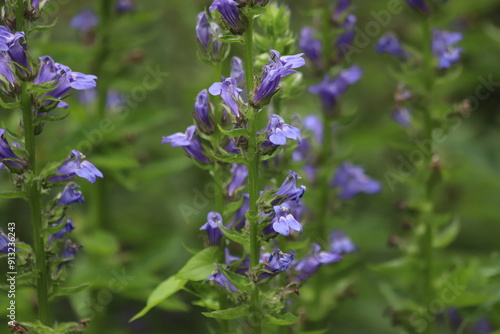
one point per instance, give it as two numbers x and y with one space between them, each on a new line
20 22
253 181
34 197
324 177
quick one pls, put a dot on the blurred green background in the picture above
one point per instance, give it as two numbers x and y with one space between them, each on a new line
145 234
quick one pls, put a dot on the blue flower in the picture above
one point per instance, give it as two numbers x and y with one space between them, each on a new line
239 218
237 71
6 70
314 124
70 195
278 131
278 68
72 167
239 176
289 187
68 253
190 142
402 115
313 261
222 281
85 20
4 242
340 243
331 89
389 43
310 45
443 47
284 222
125 6
202 113
213 226
418 4
15 45
276 262
68 227
341 8
229 11
63 79
229 92
206 35
352 180
7 156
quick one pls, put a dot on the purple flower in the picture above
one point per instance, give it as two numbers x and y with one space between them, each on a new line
202 113
190 142
352 180
443 47
85 20
239 173
314 260
389 43
72 167
341 8
278 131
15 45
331 89
68 227
222 281
125 6
203 33
418 4
228 258
284 222
5 69
276 262
314 124
278 68
213 226
69 253
206 33
237 71
62 78
70 195
7 156
310 45
239 219
289 187
229 11
229 92
340 243
4 242
402 115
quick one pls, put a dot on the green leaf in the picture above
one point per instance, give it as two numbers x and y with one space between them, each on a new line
51 118
11 105
282 319
229 158
468 299
162 292
200 266
66 291
239 281
446 236
13 194
240 237
228 314
53 229
234 132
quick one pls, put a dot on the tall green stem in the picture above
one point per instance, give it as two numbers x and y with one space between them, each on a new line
34 197
324 177
253 181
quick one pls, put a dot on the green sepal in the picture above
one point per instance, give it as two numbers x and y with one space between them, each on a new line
281 319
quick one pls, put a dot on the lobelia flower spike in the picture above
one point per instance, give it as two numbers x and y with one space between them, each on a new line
190 142
63 79
68 227
240 174
69 253
236 23
202 113
284 222
272 73
70 195
85 20
331 89
340 243
352 180
443 47
8 157
230 94
213 226
276 262
390 44
72 167
278 131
